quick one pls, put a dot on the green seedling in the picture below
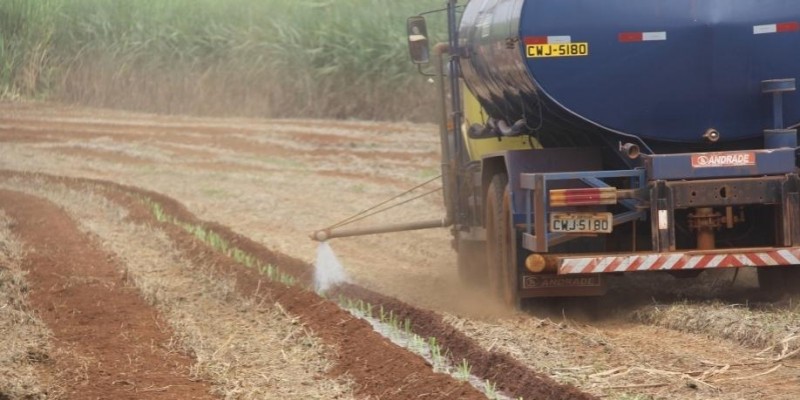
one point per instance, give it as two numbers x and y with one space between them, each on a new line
490 390
218 243
464 370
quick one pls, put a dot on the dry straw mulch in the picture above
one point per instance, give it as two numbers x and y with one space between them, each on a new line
23 336
776 330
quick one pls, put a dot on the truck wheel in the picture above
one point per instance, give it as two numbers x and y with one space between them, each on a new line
501 242
471 261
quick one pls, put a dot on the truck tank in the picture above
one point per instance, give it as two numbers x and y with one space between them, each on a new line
661 73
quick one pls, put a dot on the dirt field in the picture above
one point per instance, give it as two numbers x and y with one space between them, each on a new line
147 256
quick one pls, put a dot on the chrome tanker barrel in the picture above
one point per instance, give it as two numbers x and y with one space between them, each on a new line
677 75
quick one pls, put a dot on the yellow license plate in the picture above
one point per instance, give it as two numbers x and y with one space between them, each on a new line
557 50
581 222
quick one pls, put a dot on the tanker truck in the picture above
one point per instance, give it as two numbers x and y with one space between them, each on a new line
583 139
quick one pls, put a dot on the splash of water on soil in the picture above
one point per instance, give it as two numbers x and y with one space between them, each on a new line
328 271
428 350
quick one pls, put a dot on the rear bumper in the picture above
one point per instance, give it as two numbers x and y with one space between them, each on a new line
677 261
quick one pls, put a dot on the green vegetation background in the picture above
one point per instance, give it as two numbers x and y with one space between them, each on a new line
266 58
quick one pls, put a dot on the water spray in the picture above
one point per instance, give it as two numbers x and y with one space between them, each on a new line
328 271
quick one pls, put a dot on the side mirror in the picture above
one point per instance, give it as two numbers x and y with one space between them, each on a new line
418 46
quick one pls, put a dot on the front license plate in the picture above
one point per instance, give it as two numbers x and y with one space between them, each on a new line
581 222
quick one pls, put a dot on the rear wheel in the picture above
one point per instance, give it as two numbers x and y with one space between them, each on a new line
501 242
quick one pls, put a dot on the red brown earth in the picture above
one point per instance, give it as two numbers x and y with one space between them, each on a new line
118 344
380 368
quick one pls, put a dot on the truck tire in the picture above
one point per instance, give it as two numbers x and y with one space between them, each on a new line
501 242
471 261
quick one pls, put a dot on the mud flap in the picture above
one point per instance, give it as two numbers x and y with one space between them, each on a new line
552 285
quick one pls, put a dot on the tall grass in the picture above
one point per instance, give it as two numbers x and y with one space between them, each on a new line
26 33
302 58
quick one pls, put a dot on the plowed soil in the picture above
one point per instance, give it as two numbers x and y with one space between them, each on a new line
117 343
264 185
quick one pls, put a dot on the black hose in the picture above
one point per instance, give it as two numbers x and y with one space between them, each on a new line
503 129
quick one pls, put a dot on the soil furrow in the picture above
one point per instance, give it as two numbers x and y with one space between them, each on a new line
24 343
510 375
118 341
246 348
227 139
378 367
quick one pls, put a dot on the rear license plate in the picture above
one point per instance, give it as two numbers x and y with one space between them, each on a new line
581 222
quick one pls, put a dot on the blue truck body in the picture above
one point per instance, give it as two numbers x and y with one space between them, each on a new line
663 72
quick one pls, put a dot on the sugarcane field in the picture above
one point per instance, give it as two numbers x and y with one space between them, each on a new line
437 199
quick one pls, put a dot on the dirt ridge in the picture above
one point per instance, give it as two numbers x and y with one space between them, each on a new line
116 338
509 375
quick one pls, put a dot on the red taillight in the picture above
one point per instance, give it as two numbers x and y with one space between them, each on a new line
583 197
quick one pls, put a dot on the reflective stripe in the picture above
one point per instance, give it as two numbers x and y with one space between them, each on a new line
636 263
767 259
776 28
651 36
714 261
692 262
648 262
779 260
788 256
601 266
559 39
677 261
754 259
547 39
628 37
614 265
672 261
762 29
577 265
659 263
744 260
